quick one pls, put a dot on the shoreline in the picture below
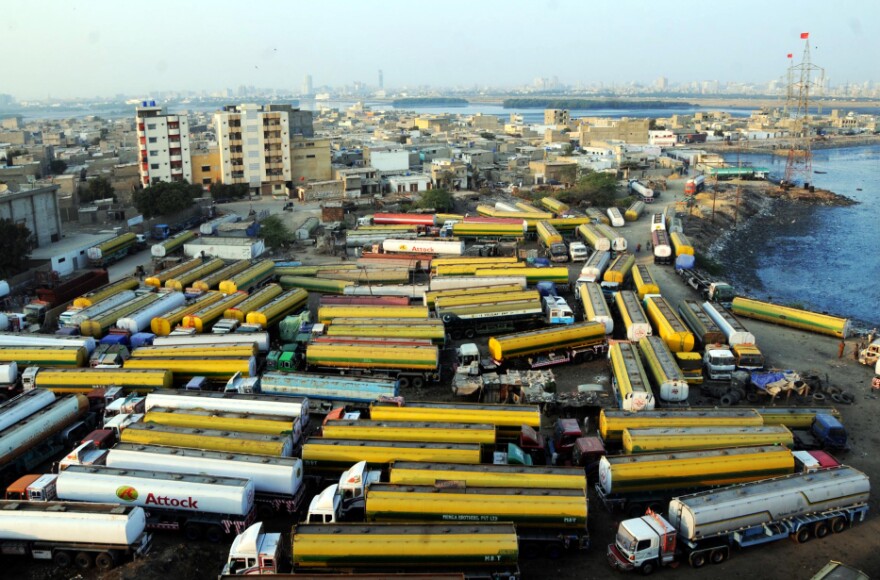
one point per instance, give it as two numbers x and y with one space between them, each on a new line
780 146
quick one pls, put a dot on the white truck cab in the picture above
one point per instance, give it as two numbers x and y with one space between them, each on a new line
578 251
254 552
643 543
85 454
719 362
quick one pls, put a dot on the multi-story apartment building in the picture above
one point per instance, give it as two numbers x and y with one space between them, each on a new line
163 142
254 144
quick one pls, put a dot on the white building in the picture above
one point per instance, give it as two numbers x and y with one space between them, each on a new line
661 138
254 147
386 158
411 183
163 142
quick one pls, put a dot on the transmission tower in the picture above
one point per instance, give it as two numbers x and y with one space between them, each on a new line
804 78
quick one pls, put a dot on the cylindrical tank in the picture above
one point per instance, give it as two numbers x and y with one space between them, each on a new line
405 218
4 288
141 319
105 292
634 211
428 432
277 475
84 380
556 274
210 228
203 318
163 325
212 280
97 326
105 248
308 228
208 439
184 279
513 416
19 339
688 438
328 313
410 473
706 514
170 245
221 421
793 317
256 300
186 367
278 308
158 280
23 406
100 307
206 351
612 422
261 339
508 346
46 356
422 358
34 429
315 284
154 489
248 277
311 270
233 403
66 522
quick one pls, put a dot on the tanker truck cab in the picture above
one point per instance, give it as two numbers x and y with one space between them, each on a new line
642 544
254 552
352 487
32 487
326 507
748 357
720 363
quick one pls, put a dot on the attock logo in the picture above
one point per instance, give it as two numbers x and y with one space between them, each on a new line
126 493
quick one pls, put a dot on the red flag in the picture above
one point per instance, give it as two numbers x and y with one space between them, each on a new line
805 35
789 55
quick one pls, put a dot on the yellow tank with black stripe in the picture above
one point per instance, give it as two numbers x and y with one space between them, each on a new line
337 455
221 421
470 299
422 358
203 318
688 438
468 269
158 279
567 224
509 346
184 279
248 278
329 313
187 367
527 508
619 268
644 281
430 297
548 234
105 292
513 476
630 378
208 439
511 416
46 356
434 547
794 417
427 432
101 323
85 379
669 326
690 469
284 304
212 280
311 270
680 244
199 350
557 274
792 317
455 260
163 325
253 302
552 204
388 328
489 230
315 284
612 422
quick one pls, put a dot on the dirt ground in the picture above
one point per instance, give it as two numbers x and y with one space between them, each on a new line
784 560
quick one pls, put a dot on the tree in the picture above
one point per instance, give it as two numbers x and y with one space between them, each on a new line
599 189
165 199
438 199
98 188
15 247
275 233
57 166
222 191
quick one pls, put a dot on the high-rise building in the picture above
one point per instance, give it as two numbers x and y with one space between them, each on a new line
307 88
254 145
163 142
381 80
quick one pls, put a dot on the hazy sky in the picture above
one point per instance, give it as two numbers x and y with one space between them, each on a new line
102 47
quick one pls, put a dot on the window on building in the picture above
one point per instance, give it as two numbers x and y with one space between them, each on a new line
206 181
154 152
254 166
252 128
206 168
154 166
152 139
253 154
253 141
151 126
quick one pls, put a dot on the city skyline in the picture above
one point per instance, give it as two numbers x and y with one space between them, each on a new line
102 48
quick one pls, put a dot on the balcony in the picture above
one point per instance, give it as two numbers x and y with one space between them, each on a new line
175 131
177 158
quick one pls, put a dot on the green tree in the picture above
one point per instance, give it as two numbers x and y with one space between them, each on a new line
222 191
438 199
57 166
165 199
15 247
275 233
597 189
97 188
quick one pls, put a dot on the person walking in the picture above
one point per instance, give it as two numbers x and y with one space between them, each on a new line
638 248
841 348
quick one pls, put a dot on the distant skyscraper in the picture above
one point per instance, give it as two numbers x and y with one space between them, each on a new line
307 85
381 80
661 84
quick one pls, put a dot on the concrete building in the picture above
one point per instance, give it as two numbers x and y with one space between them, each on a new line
412 183
554 171
452 175
254 145
207 169
662 138
311 159
163 144
386 158
556 117
36 209
597 129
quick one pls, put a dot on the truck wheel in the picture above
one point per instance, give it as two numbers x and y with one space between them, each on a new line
62 559
214 534
726 400
836 397
647 568
698 559
192 532
403 382
752 397
718 556
105 561
83 560
418 382
838 525
803 535
847 397
470 333
820 530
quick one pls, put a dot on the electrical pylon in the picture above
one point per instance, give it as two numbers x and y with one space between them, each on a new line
804 78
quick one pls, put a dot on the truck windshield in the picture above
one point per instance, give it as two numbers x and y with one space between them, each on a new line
625 541
722 360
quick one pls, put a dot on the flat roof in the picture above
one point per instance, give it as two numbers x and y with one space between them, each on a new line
70 243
